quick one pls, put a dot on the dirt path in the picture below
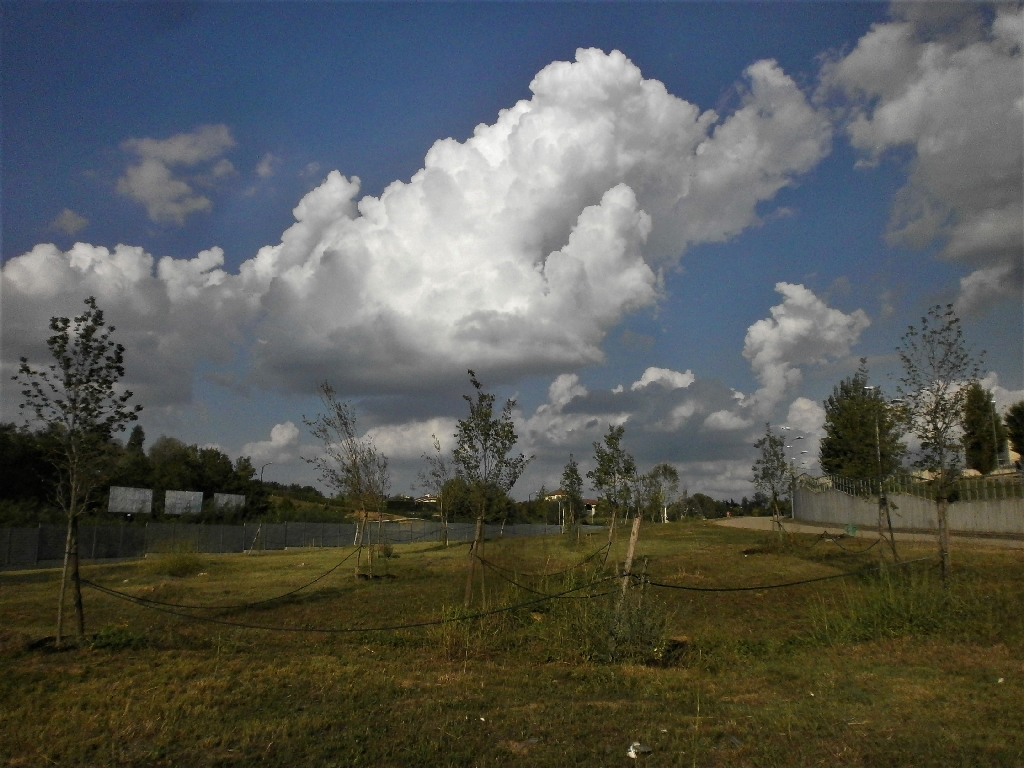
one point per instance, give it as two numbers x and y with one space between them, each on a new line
765 524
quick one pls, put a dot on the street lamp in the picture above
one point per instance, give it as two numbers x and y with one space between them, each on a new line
264 467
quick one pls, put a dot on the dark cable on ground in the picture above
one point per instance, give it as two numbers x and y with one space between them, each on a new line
234 606
341 630
763 587
581 563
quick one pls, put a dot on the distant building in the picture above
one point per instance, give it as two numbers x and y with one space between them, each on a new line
428 499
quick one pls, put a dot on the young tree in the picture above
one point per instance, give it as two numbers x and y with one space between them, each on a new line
771 473
862 433
1014 421
614 473
434 479
78 399
936 368
984 434
349 464
572 485
483 460
661 486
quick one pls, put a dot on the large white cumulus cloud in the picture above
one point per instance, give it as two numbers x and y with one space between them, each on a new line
169 313
512 252
941 80
802 330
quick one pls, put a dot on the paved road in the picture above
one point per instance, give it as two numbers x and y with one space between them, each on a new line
765 524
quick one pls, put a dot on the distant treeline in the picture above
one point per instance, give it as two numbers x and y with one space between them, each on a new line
26 494
28 482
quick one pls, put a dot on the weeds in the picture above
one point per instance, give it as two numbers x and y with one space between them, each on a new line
911 604
178 563
116 637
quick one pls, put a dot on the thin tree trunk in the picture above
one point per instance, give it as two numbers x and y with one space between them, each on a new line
358 541
942 507
881 530
477 538
892 536
76 584
611 538
63 585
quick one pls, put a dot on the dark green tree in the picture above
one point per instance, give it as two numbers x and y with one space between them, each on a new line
25 497
862 432
483 455
572 487
349 464
613 476
771 473
660 487
484 460
936 364
984 435
78 399
433 479
1014 421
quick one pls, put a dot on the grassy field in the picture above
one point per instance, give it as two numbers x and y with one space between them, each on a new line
860 671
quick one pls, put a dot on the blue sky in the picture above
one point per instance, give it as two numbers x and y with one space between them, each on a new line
736 264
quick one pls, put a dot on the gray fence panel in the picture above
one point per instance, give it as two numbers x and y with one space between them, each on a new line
53 540
22 546
274 535
28 546
833 507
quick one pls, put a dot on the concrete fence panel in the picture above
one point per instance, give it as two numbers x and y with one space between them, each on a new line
1003 516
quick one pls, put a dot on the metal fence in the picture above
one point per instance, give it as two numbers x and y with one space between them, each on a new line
44 545
989 488
992 506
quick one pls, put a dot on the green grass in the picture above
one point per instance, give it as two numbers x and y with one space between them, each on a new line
864 671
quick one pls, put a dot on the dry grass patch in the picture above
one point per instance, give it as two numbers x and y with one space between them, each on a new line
155 689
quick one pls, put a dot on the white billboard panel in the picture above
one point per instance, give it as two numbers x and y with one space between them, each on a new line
183 502
230 500
130 501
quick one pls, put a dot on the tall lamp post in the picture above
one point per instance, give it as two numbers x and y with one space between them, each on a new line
264 467
792 474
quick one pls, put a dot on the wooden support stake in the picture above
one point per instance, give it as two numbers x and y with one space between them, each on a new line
473 552
628 569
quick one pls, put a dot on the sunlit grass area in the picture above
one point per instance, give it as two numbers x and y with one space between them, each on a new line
865 670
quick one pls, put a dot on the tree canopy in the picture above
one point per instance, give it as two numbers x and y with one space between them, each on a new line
984 434
862 432
771 474
615 468
1014 420
483 456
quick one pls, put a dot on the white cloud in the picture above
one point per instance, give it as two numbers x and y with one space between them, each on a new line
666 377
939 82
266 166
514 252
410 440
69 222
169 313
802 330
1004 397
725 421
279 449
151 182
